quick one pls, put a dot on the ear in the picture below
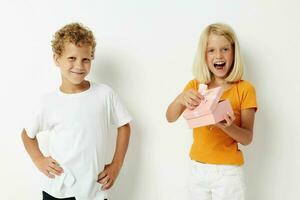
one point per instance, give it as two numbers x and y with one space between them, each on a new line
56 59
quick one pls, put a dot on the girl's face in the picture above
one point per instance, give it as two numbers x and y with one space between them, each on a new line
219 55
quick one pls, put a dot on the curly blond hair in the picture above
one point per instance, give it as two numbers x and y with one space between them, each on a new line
75 33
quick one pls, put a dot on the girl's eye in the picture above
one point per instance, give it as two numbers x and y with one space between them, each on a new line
71 58
210 50
226 49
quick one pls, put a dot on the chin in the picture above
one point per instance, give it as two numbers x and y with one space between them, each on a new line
76 82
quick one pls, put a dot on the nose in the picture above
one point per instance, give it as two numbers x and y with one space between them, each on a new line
78 65
219 54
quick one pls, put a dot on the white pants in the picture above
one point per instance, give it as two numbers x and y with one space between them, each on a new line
216 182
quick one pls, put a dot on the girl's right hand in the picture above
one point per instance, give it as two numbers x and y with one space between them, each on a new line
49 166
190 99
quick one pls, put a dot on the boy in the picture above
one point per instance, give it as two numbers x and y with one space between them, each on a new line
78 116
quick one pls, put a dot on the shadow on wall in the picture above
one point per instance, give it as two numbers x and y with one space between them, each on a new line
256 163
258 153
110 70
107 70
129 177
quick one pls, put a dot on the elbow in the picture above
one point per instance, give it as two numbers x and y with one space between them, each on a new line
23 135
170 119
247 141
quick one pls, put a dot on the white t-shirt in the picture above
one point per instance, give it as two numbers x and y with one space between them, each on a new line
78 125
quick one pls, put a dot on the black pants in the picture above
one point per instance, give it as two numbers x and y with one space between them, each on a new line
47 196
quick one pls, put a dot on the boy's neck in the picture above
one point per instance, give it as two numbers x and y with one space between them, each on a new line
69 88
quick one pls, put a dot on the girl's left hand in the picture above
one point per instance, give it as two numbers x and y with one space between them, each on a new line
227 122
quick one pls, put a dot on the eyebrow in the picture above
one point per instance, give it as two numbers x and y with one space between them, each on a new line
227 45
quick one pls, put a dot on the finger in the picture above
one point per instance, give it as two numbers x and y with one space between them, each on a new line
108 185
228 120
195 102
231 116
53 171
190 105
196 96
103 180
187 103
102 175
191 101
47 173
56 167
51 160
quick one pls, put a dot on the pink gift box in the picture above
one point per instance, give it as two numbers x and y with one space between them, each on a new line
210 110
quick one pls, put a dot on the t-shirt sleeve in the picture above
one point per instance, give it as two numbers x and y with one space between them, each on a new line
119 114
191 85
35 121
248 99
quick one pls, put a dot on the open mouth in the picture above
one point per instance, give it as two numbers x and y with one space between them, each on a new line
219 64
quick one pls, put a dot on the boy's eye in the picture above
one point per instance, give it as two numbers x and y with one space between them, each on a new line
86 60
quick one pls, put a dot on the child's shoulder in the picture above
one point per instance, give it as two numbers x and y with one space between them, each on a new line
245 85
103 89
101 86
192 84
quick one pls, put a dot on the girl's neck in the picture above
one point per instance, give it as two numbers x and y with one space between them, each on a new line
216 82
219 82
70 88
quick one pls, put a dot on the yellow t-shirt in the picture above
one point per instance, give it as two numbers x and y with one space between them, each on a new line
211 145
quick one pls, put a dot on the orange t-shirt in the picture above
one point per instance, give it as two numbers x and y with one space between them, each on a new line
212 145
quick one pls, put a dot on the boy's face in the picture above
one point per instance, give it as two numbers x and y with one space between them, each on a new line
219 55
74 63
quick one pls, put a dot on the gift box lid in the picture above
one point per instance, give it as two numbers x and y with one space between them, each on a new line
207 106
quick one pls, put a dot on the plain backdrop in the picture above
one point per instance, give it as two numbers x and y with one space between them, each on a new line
145 50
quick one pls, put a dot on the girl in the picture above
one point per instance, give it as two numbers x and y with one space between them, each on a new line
216 172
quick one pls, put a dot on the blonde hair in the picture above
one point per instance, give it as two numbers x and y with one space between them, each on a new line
75 33
200 68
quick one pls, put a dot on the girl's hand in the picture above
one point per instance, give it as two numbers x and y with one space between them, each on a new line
108 176
190 99
227 122
49 166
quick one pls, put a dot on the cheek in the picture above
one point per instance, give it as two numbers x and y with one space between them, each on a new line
209 59
87 67
230 58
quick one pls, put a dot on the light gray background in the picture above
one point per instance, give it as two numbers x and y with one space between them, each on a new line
145 52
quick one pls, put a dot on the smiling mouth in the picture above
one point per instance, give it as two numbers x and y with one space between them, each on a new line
219 64
79 73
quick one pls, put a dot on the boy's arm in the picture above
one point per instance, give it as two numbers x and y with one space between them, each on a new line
111 171
46 165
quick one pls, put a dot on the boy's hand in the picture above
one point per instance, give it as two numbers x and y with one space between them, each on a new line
49 166
190 99
108 176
